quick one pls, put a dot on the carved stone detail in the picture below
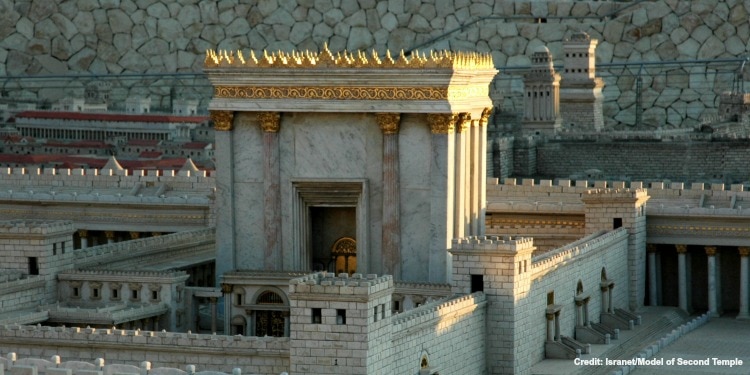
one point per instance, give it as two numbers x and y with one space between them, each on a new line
441 123
222 120
388 122
269 121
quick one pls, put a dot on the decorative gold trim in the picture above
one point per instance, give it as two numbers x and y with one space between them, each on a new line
485 116
345 59
388 122
222 120
269 121
441 123
651 248
744 251
83 233
681 249
339 93
463 121
710 250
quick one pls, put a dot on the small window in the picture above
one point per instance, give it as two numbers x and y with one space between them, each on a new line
616 223
54 249
95 293
134 294
238 298
375 313
477 283
33 266
62 247
317 316
76 292
340 316
382 311
115 294
154 295
551 298
396 305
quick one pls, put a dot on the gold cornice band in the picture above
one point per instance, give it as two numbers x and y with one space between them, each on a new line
269 121
349 93
222 120
441 123
388 122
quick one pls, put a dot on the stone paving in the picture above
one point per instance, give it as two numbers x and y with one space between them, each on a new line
722 338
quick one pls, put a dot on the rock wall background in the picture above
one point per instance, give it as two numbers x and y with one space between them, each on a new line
115 37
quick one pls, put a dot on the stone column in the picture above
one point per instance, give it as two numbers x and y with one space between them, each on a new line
712 287
461 226
557 325
110 236
84 234
550 326
475 177
483 123
270 123
580 319
652 282
744 291
441 195
604 286
213 314
682 276
391 235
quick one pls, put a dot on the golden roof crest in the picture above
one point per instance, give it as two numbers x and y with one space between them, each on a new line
345 59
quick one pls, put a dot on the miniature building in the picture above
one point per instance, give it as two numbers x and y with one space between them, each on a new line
542 99
580 90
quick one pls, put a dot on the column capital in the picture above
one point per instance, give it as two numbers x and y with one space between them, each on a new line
463 121
710 250
83 233
651 248
441 123
269 121
227 288
681 249
135 235
109 234
744 251
222 119
485 116
155 234
388 122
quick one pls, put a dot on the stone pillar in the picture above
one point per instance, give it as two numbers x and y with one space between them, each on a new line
270 123
442 196
475 166
604 286
557 325
391 236
84 235
713 310
226 256
110 236
744 291
461 226
483 122
213 314
652 275
682 276
550 326
580 319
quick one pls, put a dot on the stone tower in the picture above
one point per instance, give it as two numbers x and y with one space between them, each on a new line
609 209
580 90
341 325
541 97
501 268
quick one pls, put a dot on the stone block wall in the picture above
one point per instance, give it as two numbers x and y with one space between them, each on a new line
253 355
127 36
432 332
23 293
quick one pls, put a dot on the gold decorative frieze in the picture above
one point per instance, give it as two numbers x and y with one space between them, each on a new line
222 120
359 59
388 122
463 121
269 121
441 123
338 93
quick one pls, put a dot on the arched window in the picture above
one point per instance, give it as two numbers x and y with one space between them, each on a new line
579 288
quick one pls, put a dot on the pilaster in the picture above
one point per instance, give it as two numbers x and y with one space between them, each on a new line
391 233
442 185
270 123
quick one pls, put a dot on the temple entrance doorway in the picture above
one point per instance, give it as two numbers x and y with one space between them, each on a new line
333 239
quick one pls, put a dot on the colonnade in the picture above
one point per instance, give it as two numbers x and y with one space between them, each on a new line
89 134
89 238
145 324
713 277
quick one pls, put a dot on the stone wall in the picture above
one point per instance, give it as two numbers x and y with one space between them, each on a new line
147 36
688 160
253 355
434 329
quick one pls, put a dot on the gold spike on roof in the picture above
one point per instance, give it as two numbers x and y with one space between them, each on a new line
359 59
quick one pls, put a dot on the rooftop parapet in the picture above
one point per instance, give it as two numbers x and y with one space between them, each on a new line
625 194
343 284
39 227
503 244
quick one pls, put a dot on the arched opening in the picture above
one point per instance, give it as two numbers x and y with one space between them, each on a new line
238 325
344 253
579 288
268 321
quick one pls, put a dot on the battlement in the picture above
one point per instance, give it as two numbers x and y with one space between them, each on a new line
97 274
108 172
616 194
35 227
56 366
433 311
505 244
599 241
138 337
328 283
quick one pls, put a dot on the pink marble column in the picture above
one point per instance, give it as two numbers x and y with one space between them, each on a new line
269 122
391 236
